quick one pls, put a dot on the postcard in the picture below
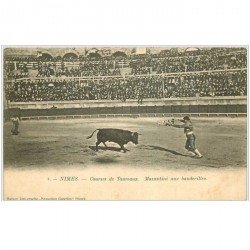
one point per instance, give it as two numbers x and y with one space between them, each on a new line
124 123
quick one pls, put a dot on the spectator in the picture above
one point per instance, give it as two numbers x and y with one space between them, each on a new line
133 87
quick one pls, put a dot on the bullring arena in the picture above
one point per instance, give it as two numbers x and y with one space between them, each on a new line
42 144
61 95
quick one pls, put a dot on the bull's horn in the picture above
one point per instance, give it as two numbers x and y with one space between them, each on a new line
139 134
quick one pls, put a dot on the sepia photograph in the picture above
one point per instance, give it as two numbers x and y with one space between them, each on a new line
125 123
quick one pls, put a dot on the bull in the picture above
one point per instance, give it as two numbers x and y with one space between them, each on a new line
119 136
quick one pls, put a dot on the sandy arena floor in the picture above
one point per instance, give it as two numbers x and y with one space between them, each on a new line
62 143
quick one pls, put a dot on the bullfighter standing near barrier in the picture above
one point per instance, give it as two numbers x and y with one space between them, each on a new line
189 131
15 122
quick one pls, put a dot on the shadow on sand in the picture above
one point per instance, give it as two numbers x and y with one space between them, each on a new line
151 147
116 149
105 160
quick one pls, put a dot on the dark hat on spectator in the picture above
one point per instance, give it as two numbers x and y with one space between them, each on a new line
185 118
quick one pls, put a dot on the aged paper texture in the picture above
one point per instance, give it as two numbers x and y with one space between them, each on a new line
125 123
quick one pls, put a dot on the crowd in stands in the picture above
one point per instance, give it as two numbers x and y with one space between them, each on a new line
189 63
199 52
199 63
20 72
17 75
147 65
148 76
103 68
183 85
207 84
200 60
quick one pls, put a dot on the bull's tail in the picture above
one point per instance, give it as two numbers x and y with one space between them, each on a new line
88 137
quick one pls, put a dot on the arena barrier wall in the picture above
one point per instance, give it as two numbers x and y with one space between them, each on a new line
173 107
130 103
